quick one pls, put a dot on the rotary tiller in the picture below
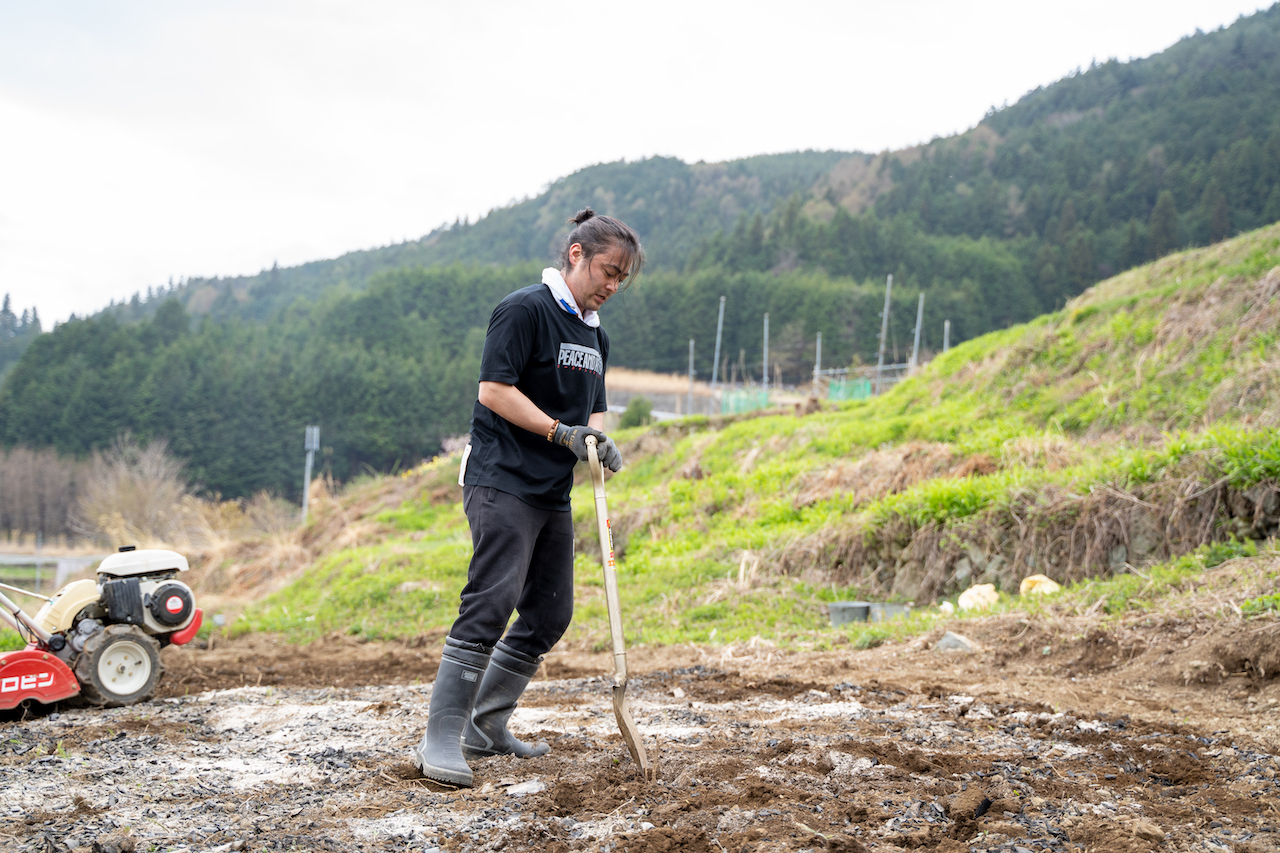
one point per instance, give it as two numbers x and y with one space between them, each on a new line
100 639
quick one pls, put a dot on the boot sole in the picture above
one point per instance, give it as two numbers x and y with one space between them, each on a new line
443 776
472 754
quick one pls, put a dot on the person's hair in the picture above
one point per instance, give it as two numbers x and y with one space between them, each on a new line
598 233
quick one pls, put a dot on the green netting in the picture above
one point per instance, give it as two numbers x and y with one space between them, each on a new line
849 389
744 400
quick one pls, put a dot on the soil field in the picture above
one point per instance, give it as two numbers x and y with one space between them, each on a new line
1161 736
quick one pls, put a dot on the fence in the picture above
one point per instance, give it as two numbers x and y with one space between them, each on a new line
849 389
43 574
744 400
884 378
867 383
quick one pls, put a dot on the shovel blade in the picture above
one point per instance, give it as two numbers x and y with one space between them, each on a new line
630 733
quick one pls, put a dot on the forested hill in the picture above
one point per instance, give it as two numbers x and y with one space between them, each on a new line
1112 166
1101 171
388 373
1096 173
672 204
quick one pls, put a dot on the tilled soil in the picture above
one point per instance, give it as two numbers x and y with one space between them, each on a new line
1034 742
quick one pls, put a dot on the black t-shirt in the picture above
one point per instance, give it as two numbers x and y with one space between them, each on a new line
558 361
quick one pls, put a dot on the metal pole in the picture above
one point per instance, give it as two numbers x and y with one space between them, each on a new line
312 445
306 485
884 331
39 561
15 616
764 372
915 348
946 335
817 364
715 363
690 406
720 396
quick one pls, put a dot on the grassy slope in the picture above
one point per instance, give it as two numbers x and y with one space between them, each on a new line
1159 379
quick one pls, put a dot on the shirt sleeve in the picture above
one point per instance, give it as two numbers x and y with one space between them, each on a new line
602 399
507 344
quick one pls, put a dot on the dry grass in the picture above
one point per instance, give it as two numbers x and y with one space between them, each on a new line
232 572
885 472
1201 314
17 542
137 495
1191 322
1173 268
251 566
647 382
1048 451
1254 387
1066 535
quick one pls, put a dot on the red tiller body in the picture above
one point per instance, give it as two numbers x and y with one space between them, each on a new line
34 673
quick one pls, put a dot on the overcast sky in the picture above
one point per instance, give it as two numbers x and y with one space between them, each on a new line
144 140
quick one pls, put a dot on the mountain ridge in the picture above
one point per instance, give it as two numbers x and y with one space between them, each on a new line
1076 166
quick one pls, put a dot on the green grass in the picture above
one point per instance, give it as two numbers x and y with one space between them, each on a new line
1263 604
1143 590
1111 364
378 593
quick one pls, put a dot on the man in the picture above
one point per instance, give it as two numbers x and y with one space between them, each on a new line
541 394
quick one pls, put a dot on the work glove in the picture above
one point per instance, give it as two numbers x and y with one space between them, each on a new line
575 438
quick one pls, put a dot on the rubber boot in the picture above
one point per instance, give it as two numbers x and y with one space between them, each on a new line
439 756
504 681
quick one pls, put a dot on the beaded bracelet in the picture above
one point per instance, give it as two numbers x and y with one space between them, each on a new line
551 433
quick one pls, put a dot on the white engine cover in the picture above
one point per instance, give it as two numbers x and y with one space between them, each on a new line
150 625
156 606
149 562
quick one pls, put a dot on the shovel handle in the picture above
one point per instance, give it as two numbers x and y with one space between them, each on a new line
626 723
610 566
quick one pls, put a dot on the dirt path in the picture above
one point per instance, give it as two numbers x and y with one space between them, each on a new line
1038 741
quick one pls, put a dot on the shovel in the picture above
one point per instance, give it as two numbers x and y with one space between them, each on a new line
626 724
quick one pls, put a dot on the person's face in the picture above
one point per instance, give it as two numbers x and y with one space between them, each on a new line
593 282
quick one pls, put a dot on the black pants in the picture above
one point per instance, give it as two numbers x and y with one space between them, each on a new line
522 562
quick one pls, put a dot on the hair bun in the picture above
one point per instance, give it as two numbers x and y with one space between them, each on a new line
582 216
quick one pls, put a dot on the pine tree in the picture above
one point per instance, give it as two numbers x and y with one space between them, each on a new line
1047 275
1162 231
1132 252
1271 213
1066 223
1214 214
1082 268
1219 219
8 322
